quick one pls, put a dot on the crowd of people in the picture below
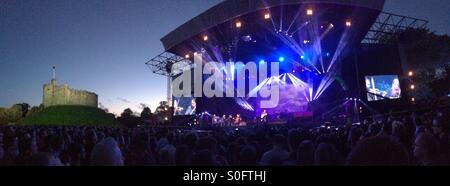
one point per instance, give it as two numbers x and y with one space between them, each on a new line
412 139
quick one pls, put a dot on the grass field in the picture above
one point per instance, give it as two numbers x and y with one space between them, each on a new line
70 115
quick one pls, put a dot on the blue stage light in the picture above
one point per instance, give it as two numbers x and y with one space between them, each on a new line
261 61
328 54
302 57
281 59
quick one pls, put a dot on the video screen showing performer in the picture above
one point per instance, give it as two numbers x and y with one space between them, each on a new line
382 87
184 106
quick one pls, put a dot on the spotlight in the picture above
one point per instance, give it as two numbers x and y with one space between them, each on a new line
267 16
331 25
412 87
302 57
238 24
328 54
195 53
351 98
306 41
410 73
261 61
281 59
293 71
413 99
246 38
309 12
348 23
205 38
187 56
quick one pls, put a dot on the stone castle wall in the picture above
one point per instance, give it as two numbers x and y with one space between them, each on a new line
63 95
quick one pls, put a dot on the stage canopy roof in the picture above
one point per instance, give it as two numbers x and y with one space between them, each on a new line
229 9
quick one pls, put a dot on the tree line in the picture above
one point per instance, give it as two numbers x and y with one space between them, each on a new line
16 112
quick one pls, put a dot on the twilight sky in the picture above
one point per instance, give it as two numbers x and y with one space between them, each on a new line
102 45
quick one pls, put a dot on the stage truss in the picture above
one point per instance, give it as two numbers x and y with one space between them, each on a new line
169 64
384 29
388 25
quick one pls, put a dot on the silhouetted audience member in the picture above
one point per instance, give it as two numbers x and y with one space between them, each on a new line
203 158
277 155
248 156
426 150
182 154
378 151
305 153
43 159
325 155
76 154
441 129
106 153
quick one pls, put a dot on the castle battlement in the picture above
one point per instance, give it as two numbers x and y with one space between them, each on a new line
54 94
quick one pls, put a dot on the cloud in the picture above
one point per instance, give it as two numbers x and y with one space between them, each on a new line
123 100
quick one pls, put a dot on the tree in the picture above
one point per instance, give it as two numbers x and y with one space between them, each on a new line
146 113
126 113
428 56
3 116
15 113
11 115
24 108
101 106
127 118
146 116
163 112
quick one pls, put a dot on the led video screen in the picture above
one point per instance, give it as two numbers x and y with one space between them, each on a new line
184 106
382 87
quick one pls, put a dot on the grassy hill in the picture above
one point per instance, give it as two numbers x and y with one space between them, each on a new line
70 115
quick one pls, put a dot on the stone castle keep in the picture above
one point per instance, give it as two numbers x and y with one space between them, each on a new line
63 95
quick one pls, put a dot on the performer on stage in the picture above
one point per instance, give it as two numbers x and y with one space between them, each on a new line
395 89
230 120
215 119
224 120
191 109
237 120
263 116
177 109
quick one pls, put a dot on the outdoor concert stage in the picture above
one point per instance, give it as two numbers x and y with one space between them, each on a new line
329 54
